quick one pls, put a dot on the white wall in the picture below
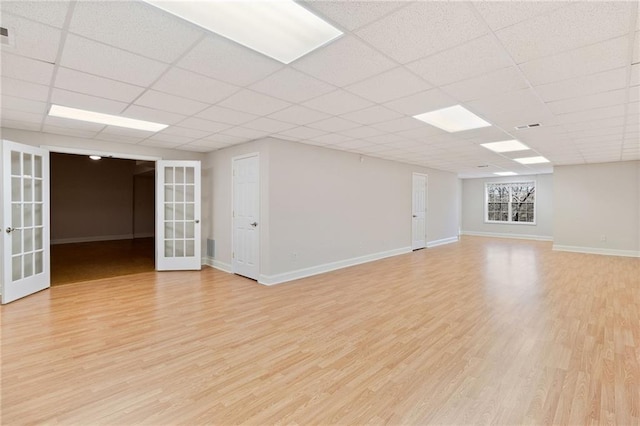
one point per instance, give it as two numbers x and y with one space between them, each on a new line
321 206
473 199
594 201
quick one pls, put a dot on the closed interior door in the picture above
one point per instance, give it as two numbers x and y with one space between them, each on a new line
25 220
178 215
246 221
419 212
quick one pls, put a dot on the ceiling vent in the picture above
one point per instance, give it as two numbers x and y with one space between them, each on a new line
527 126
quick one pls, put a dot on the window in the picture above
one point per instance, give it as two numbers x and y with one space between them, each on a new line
513 202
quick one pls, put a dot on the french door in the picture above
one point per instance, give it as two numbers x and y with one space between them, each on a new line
178 215
246 216
419 212
25 220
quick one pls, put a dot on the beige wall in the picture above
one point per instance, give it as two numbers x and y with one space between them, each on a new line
595 201
473 199
323 206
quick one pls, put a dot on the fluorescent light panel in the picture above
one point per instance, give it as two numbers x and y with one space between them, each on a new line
505 146
453 119
107 119
282 29
505 173
531 160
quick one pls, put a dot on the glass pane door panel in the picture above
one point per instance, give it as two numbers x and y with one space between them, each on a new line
27 262
179 193
37 238
16 163
38 262
189 175
189 248
189 193
16 189
189 212
179 174
27 169
37 190
16 268
37 214
27 193
37 166
16 215
16 242
179 211
28 239
168 248
27 217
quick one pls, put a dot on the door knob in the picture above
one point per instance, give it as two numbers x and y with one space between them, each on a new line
197 221
254 224
10 229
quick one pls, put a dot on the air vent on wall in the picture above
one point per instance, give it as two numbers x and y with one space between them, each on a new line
527 126
6 37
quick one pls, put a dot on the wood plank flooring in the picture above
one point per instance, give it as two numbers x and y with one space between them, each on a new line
76 262
478 332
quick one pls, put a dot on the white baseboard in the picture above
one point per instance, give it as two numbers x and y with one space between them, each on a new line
516 236
441 242
327 267
92 239
594 250
222 266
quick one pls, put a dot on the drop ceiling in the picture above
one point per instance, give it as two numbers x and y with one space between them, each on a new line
573 67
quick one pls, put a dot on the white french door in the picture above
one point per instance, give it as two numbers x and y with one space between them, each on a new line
178 215
419 212
246 212
25 220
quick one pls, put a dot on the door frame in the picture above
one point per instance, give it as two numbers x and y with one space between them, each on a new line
426 206
231 212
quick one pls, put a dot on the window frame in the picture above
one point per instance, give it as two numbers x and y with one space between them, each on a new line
510 222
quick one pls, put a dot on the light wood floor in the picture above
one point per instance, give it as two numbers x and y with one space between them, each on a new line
76 262
479 332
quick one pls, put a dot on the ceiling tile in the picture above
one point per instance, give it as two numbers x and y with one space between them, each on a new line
579 62
580 86
500 14
493 83
130 133
110 137
634 94
356 145
225 115
338 102
331 139
389 85
292 86
302 132
150 114
420 133
184 132
362 132
68 131
386 139
31 39
399 124
51 13
194 86
423 28
244 132
371 115
253 102
26 69
354 14
134 26
577 25
24 89
614 97
334 124
269 125
97 86
471 59
204 125
171 103
592 114
223 139
344 61
74 124
109 62
194 147
24 105
225 60
160 143
20 116
211 144
300 115
82 101
20 125
421 102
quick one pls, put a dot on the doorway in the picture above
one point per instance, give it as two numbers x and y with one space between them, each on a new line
102 217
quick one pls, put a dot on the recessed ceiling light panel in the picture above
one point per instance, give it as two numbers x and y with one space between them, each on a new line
505 146
531 160
282 29
453 119
505 173
107 119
